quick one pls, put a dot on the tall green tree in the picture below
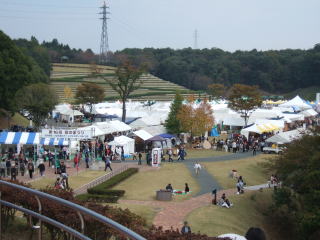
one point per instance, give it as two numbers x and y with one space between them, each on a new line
297 203
172 124
244 99
89 94
16 71
128 79
38 99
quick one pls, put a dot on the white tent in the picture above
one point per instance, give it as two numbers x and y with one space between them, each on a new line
125 142
144 135
285 137
112 126
309 113
258 128
95 130
296 102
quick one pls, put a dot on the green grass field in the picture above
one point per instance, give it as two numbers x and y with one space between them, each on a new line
250 168
74 181
204 153
249 210
143 185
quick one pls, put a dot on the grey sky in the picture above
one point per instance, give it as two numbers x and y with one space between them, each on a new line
225 24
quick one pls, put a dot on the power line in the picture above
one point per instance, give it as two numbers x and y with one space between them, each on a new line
104 44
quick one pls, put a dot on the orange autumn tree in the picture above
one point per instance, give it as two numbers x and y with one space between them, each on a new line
196 121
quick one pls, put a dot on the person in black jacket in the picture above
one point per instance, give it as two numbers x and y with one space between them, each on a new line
13 172
186 228
30 168
42 168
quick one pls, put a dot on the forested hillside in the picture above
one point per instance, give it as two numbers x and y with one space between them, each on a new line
274 71
17 70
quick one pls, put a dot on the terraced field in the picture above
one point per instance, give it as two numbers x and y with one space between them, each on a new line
153 88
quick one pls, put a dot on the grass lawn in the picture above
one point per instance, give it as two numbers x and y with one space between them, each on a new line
250 168
143 185
147 212
74 181
203 153
248 211
17 119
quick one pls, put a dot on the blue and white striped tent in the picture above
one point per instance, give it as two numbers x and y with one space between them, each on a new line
30 138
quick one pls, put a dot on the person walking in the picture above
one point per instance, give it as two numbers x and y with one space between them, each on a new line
140 157
8 166
197 168
87 159
22 168
41 168
30 168
13 172
3 168
254 150
64 175
107 164
170 155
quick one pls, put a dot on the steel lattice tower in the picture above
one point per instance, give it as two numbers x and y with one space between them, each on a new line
104 44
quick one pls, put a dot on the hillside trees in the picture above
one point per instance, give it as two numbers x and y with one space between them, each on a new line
126 81
297 203
172 123
38 99
244 99
273 71
89 93
217 90
16 71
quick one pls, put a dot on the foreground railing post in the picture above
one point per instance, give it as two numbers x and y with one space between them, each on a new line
82 221
40 222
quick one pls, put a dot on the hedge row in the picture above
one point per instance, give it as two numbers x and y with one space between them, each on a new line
103 193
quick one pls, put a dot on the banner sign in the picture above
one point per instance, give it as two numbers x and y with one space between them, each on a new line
67 133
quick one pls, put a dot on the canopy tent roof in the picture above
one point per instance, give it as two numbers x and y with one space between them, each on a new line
121 141
70 112
259 128
296 102
144 135
166 135
155 130
285 137
96 131
112 127
309 113
30 138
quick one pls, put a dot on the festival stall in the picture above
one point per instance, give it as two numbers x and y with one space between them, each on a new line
296 102
123 142
285 137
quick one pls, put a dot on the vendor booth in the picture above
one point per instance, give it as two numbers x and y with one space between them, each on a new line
123 142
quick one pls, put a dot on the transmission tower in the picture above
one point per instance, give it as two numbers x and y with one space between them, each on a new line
104 44
195 39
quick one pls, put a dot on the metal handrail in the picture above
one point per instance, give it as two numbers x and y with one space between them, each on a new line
46 219
107 221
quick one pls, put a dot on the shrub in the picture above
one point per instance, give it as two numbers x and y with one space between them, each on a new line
116 179
102 193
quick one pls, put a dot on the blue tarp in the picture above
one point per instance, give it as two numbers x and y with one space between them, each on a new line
166 135
214 132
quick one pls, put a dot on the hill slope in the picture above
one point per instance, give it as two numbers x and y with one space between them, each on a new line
153 88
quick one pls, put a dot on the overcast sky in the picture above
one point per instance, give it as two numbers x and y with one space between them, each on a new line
226 24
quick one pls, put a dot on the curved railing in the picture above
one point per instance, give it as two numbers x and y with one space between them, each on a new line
79 209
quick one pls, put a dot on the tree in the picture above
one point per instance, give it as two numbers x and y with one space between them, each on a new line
38 99
172 124
16 71
244 99
95 69
68 94
217 90
127 80
197 120
89 93
298 201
